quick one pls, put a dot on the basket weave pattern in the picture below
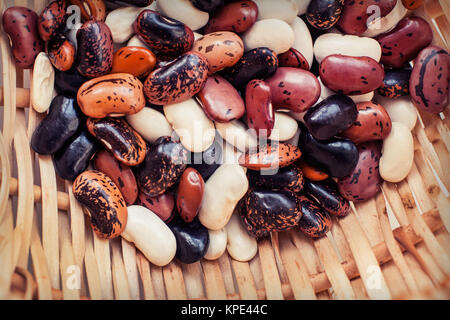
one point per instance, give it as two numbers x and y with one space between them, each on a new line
45 239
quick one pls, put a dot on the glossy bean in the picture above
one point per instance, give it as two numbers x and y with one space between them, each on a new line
208 5
323 14
120 22
372 123
260 115
183 11
52 18
217 244
136 61
162 205
163 166
207 161
395 83
327 195
273 155
73 158
293 58
412 4
112 95
190 194
42 83
310 172
95 49
284 10
178 81
315 222
303 40
61 52
289 177
104 202
150 235
160 126
429 82
331 116
91 9
400 110
117 136
68 82
236 16
240 245
351 75
61 123
285 127
21 25
122 175
237 134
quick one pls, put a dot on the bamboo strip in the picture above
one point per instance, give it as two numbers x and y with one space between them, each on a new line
23 280
5 173
244 280
146 279
119 276
418 189
92 269
227 272
359 289
365 259
25 203
334 270
103 255
272 281
158 282
70 272
295 269
6 250
130 264
192 274
367 216
173 279
214 285
40 267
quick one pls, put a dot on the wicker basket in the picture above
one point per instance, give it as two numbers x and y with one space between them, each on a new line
395 246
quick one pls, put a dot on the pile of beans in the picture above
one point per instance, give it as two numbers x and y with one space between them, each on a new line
194 127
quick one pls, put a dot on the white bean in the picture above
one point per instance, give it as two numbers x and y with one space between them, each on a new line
284 127
302 5
241 246
285 10
135 41
195 129
42 83
223 190
400 109
274 34
183 11
150 123
397 154
150 235
217 244
303 40
386 23
237 134
120 22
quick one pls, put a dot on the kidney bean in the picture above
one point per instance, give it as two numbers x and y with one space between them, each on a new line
336 156
237 135
310 172
177 81
412 4
289 177
331 116
397 153
52 18
315 222
97 9
223 190
293 58
61 52
42 83
284 10
323 14
163 34
192 240
162 205
260 115
351 75
293 89
400 110
100 195
73 158
190 194
327 195
372 123
120 21
395 83
137 61
356 14
285 128
68 82
150 235
220 100
236 16
137 3
183 11
303 41
122 175
163 166
112 95
241 246
95 49
208 5
273 155
258 63
21 25
117 136
429 82
364 182
160 126
61 123
404 42
207 161
217 244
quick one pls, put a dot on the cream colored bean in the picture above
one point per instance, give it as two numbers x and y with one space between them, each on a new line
150 235
326 92
302 39
195 129
135 41
223 190
274 34
42 83
302 5
397 153
120 22
237 134
150 123
284 127
400 109
184 11
285 10
349 45
217 244
241 246
386 23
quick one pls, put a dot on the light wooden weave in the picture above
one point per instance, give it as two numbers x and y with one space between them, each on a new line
395 246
